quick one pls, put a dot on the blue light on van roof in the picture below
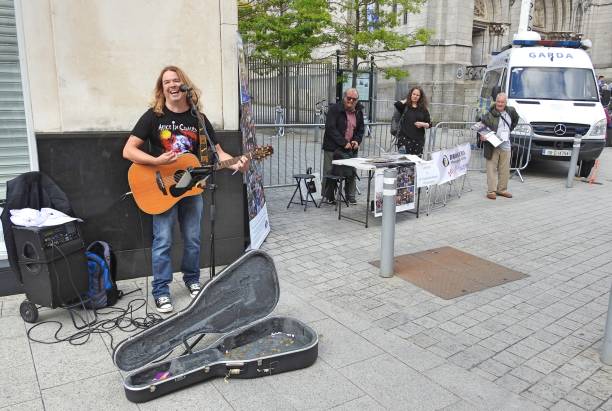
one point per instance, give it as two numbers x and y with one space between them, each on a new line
548 43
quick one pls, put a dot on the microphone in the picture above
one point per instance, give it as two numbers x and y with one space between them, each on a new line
185 87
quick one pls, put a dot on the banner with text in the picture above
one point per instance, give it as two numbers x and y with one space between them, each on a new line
427 173
452 162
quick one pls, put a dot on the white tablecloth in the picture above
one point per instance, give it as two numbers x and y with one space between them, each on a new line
366 164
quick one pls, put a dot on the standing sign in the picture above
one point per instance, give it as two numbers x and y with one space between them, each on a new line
452 162
405 198
259 223
427 173
363 83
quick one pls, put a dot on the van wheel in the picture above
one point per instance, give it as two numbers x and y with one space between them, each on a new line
585 167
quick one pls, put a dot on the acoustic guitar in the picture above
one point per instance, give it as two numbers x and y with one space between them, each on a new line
155 187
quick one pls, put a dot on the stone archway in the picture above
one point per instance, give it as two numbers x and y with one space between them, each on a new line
578 20
538 16
487 31
482 15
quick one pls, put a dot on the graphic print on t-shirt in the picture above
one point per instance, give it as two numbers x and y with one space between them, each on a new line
178 137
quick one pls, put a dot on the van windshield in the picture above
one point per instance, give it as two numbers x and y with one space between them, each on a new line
553 83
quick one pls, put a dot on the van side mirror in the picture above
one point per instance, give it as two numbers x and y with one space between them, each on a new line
495 91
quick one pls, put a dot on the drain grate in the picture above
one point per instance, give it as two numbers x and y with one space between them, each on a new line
450 273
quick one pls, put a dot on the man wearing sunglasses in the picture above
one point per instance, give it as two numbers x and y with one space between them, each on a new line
344 128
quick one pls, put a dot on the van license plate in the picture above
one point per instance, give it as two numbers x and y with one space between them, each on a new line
556 153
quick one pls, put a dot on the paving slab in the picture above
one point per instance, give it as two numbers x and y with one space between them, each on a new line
32 405
317 387
59 364
256 394
365 403
77 395
476 390
397 386
407 352
19 385
339 346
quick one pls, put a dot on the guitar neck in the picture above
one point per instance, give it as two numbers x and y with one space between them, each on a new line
231 161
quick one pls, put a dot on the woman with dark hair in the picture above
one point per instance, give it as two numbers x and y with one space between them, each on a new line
414 119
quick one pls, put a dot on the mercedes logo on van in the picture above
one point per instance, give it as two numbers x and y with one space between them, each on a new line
560 129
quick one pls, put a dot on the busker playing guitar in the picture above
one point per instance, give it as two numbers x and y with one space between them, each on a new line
171 130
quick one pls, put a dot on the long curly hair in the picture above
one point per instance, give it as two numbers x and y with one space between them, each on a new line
422 103
159 100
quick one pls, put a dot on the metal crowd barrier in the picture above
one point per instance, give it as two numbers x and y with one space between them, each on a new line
384 109
449 134
446 135
298 146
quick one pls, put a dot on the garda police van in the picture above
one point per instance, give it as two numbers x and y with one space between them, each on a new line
552 86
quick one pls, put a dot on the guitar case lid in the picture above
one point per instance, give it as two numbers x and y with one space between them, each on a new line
245 291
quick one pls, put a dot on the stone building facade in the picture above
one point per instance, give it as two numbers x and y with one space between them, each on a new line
449 67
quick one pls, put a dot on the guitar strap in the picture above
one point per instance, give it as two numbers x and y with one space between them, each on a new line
204 158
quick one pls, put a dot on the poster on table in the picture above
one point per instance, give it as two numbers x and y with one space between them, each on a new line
405 196
452 162
427 173
259 223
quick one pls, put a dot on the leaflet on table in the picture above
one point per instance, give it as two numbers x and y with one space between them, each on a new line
489 134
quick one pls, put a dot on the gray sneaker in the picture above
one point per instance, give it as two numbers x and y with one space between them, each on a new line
194 289
163 304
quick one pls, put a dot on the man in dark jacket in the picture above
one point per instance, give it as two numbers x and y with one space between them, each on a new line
344 128
501 119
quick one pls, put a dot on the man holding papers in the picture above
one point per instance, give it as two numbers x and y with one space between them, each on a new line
500 121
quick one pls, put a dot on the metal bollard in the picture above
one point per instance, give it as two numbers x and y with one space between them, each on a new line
606 349
573 161
387 235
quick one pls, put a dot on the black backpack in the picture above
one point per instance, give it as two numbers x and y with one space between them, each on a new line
101 266
344 171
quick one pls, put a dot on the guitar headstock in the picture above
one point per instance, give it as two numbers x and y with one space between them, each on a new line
262 152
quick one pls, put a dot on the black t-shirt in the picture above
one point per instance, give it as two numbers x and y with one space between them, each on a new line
172 131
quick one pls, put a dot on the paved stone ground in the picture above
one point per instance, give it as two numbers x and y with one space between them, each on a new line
384 343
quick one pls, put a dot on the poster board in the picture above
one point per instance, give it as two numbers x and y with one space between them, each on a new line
259 222
405 198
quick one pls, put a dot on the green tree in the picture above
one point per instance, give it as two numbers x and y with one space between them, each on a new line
366 27
286 31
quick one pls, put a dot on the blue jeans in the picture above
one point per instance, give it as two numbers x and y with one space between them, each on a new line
189 213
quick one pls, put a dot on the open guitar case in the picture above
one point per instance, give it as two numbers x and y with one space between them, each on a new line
235 303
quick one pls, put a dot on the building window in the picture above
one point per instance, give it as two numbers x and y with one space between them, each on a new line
14 146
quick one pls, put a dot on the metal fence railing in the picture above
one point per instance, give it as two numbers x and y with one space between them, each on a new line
295 87
440 112
298 146
446 135
450 134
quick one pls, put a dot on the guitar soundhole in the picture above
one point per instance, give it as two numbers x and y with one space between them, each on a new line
178 174
177 192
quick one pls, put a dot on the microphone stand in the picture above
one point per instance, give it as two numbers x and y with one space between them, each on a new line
214 159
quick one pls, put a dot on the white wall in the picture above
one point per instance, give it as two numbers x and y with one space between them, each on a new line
598 21
93 64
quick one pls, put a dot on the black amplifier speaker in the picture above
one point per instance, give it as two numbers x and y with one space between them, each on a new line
52 263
